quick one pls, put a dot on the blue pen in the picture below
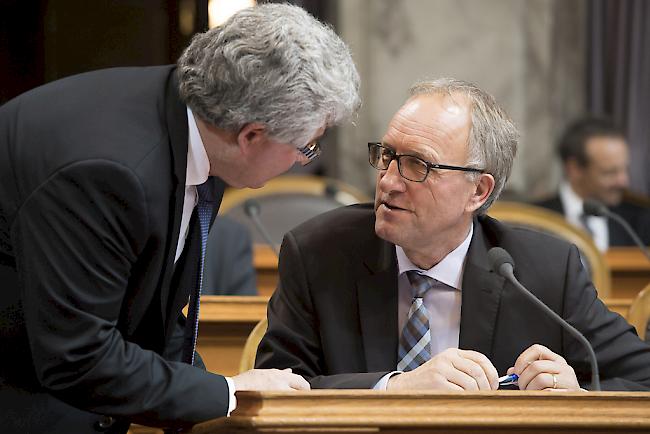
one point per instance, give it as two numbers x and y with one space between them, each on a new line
508 380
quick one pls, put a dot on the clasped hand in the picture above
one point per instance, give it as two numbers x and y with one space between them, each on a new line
454 369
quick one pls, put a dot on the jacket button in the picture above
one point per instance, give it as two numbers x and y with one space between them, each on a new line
104 423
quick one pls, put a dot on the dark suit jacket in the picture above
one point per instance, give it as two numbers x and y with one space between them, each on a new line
229 266
637 216
92 178
333 317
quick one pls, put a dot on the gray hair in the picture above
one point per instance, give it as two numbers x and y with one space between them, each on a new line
274 64
493 136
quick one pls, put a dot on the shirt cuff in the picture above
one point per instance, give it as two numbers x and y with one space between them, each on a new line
382 384
232 401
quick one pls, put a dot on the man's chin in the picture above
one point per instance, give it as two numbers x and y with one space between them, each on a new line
383 231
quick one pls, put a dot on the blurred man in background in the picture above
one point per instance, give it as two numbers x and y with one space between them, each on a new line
595 159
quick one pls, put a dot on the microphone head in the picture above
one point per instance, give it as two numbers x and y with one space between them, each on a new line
252 208
331 190
593 207
498 257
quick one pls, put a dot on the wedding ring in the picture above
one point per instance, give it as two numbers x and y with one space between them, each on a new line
554 381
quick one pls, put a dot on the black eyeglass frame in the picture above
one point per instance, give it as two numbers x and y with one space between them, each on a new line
430 166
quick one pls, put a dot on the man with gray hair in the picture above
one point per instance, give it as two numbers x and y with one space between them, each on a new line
109 182
400 295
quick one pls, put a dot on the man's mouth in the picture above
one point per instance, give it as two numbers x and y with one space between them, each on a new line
393 207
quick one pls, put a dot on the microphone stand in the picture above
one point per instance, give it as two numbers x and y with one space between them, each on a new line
252 210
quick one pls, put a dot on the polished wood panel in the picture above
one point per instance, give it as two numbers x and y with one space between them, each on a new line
354 411
266 267
225 323
630 271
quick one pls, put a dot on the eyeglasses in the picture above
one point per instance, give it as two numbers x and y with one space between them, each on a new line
311 150
409 166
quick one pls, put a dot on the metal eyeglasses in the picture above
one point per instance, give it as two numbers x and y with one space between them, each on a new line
409 166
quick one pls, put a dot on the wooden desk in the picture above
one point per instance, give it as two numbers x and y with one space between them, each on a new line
354 411
630 271
629 267
225 323
266 266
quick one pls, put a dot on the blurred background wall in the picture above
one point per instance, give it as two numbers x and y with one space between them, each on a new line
545 61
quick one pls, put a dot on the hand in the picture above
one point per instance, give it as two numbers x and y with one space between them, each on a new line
269 379
541 369
453 369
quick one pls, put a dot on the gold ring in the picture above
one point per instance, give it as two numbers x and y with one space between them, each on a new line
554 381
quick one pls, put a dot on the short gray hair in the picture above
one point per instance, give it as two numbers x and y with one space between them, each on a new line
274 64
493 136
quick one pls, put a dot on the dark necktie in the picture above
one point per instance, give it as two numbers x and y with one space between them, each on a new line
414 348
204 213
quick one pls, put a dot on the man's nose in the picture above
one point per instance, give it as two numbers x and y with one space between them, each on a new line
391 179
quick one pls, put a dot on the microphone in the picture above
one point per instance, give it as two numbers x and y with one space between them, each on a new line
502 263
595 208
253 210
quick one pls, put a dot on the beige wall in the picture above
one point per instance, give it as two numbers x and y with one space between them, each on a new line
528 54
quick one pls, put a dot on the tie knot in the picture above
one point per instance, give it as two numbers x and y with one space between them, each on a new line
204 191
420 283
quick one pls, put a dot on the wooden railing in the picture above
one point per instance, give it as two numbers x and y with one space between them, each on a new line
354 411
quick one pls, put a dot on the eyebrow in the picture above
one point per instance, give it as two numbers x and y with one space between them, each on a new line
415 153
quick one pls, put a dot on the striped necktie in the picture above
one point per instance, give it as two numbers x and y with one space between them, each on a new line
204 213
414 348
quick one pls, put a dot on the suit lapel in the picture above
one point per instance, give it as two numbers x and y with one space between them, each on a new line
377 298
176 116
481 295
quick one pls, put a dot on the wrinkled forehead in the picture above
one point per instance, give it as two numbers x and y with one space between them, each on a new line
437 120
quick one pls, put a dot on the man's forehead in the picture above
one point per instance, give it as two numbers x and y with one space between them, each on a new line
455 104
431 118
605 146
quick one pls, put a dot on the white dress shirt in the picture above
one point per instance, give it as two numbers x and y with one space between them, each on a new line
572 204
198 170
443 302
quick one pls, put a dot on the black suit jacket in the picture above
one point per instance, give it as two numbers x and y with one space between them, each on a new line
333 317
92 177
637 216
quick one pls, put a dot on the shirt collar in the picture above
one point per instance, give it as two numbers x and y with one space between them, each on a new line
448 271
198 164
571 202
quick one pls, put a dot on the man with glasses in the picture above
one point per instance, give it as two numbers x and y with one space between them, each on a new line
400 295
109 182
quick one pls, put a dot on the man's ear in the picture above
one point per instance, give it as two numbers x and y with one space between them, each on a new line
483 190
251 137
574 170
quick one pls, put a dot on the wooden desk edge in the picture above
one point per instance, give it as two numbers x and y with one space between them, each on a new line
363 408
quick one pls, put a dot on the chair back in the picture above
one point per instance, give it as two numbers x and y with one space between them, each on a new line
550 222
639 313
286 201
247 361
